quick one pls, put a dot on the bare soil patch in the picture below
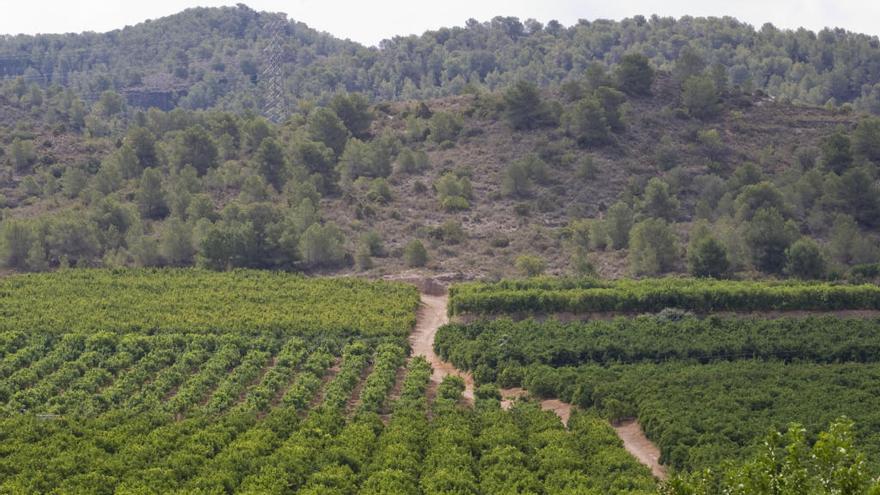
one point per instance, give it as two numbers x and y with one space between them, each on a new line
636 443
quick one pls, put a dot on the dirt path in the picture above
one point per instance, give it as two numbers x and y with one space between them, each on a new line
636 443
432 315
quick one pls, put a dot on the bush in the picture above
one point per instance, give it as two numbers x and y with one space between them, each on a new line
805 260
585 121
837 152
768 236
634 74
700 97
708 258
523 107
653 247
516 181
444 126
866 139
657 202
415 254
322 245
617 225
530 266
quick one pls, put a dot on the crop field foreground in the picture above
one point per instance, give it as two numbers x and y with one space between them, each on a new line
706 389
188 381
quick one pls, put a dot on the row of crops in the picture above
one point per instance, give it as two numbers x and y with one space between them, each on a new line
260 383
706 390
653 295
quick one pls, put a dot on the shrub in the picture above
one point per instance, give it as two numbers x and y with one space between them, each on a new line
523 107
700 97
653 247
805 260
708 258
530 265
768 236
516 181
444 126
322 245
657 202
837 151
415 254
585 121
618 223
634 74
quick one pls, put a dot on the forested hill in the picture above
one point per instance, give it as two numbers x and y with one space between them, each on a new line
226 57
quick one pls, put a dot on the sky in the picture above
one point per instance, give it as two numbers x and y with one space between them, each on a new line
371 21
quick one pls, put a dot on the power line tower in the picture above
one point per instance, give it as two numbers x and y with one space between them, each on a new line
275 107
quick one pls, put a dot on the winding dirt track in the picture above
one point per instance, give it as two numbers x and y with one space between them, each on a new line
432 315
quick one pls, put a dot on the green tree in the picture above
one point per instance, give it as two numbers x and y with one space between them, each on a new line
271 163
706 256
143 145
612 102
700 97
866 139
322 245
617 225
653 248
805 259
836 151
326 127
585 121
354 111
524 108
196 147
74 181
365 159
22 154
516 181
150 195
176 246
860 196
530 265
657 202
634 74
688 64
444 126
757 196
767 237
16 239
415 254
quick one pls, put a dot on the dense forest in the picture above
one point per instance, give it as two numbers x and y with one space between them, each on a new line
217 58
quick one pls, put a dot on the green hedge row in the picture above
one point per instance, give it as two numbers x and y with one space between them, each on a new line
651 295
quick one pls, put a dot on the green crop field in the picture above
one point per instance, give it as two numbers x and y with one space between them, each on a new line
188 381
706 389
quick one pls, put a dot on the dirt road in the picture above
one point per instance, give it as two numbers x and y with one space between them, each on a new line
432 315
637 444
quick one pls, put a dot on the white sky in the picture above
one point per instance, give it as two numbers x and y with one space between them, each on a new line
369 21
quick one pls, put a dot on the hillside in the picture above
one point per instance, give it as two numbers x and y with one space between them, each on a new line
235 58
704 164
638 169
